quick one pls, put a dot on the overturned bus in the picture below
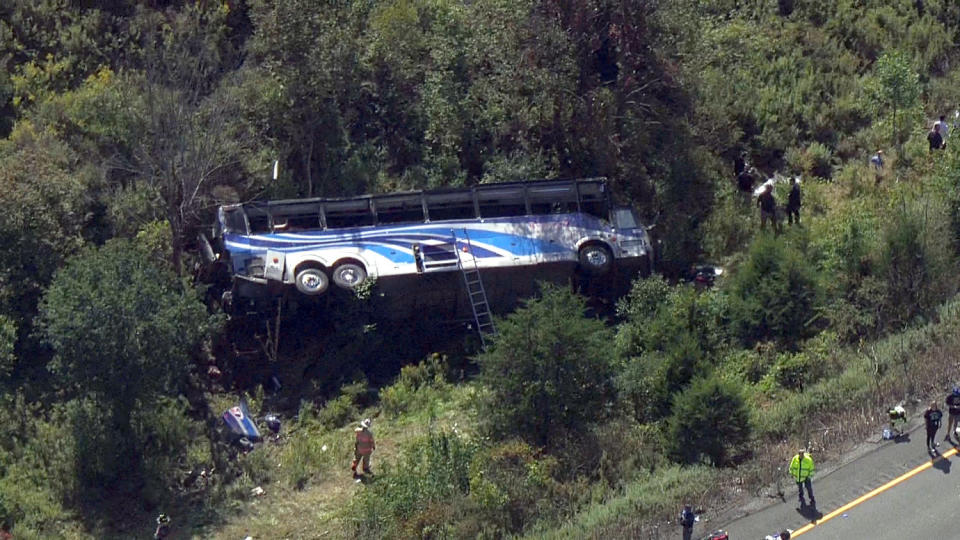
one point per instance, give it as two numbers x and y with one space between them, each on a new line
418 246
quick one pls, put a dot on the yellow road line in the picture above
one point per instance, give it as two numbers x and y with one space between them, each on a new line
910 474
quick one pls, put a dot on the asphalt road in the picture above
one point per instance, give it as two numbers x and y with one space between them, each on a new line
894 491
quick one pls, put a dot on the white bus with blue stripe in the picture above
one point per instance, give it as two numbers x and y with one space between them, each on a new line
313 245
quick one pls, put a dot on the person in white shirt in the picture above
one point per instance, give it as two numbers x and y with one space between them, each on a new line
944 128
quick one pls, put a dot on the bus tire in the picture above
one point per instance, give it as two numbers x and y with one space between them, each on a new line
595 259
349 275
311 281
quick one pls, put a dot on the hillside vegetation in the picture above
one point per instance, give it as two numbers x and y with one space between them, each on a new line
124 125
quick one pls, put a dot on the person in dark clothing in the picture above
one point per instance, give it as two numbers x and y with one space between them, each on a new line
745 181
953 408
932 418
793 202
163 527
768 208
935 139
687 519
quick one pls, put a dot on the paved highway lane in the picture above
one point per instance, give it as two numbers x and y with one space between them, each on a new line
921 507
894 491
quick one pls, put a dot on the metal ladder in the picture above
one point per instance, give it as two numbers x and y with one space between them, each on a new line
475 291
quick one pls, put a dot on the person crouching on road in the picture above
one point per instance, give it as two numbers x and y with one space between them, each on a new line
801 470
363 447
953 408
931 418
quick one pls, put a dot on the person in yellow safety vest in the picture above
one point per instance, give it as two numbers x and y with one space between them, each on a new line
801 470
363 447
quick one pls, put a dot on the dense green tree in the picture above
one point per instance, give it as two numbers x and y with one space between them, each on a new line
894 91
774 295
123 329
710 420
46 211
312 51
548 370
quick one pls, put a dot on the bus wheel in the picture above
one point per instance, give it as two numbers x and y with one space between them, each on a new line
349 275
595 259
312 281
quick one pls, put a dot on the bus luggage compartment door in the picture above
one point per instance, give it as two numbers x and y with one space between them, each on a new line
273 268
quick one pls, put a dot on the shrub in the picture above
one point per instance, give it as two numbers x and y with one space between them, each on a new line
338 412
649 383
344 408
434 471
793 371
917 262
710 420
513 485
416 386
660 318
774 294
548 371
814 160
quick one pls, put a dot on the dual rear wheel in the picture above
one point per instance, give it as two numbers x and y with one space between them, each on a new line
312 279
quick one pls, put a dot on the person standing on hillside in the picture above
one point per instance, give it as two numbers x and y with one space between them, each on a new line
953 408
687 519
768 208
931 418
944 128
877 161
363 447
801 470
935 138
793 202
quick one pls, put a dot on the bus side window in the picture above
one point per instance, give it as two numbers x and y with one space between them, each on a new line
546 200
349 213
593 200
449 206
259 220
501 202
400 209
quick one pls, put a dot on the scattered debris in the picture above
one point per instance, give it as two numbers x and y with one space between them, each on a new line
240 422
257 491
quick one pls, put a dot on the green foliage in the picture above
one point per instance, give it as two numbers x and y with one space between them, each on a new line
548 370
660 317
652 496
917 262
774 294
416 386
814 160
434 472
670 334
793 371
46 205
513 486
894 90
344 408
8 340
123 330
710 420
